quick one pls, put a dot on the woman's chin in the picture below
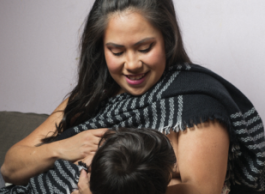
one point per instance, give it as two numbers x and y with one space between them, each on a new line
137 91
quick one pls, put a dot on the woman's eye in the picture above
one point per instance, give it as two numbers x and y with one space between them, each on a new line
118 54
147 50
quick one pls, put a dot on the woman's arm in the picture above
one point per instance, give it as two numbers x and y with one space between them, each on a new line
24 160
202 155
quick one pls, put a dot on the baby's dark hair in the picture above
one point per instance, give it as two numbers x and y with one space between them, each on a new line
132 161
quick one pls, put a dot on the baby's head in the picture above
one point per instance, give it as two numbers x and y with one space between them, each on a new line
132 161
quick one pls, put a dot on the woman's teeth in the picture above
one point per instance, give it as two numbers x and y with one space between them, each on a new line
131 77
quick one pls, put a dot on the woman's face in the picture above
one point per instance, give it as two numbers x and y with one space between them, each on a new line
134 52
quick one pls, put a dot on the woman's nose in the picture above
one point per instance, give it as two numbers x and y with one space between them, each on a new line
133 63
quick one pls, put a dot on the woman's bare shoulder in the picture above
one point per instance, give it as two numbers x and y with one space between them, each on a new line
202 155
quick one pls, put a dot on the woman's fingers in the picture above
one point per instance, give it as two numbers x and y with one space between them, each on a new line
95 140
88 159
96 134
99 132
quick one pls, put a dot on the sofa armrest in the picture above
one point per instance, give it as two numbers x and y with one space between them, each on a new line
14 126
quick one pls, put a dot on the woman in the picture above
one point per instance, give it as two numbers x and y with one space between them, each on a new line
128 76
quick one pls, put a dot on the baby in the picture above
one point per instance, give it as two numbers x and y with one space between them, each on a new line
131 161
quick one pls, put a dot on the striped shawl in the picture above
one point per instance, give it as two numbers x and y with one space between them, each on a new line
186 95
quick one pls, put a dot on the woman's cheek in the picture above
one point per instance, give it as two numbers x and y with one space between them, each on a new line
112 63
157 57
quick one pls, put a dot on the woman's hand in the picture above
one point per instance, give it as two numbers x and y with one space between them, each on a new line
82 145
83 184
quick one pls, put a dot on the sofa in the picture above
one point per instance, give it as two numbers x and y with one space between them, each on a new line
14 126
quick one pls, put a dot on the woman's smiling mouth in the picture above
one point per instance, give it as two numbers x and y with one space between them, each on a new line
135 79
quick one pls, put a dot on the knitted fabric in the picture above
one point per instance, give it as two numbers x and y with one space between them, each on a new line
61 179
187 95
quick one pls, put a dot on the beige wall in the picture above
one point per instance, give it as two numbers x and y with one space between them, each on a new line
39 40
228 37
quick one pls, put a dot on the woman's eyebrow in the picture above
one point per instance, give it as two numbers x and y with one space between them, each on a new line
136 44
143 41
114 45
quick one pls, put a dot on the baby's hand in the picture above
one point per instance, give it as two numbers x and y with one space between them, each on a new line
174 181
83 184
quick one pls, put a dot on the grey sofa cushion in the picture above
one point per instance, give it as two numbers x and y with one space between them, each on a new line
14 126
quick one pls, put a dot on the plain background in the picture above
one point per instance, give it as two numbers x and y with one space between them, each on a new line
39 47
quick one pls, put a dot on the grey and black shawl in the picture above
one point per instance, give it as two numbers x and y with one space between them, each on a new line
61 179
186 95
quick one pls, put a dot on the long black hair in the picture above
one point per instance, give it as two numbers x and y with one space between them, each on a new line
132 161
94 81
